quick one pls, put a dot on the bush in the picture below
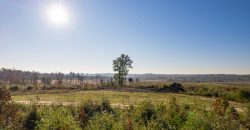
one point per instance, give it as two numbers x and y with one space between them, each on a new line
14 88
4 96
9 112
220 106
105 106
29 88
174 87
89 109
58 118
176 114
145 115
10 116
104 121
150 116
197 121
244 95
247 120
223 116
31 120
145 112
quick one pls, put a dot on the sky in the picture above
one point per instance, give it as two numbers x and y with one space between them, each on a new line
160 36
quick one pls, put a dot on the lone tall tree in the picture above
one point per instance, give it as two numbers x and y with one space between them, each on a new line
121 65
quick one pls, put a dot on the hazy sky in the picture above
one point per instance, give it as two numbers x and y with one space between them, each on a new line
161 36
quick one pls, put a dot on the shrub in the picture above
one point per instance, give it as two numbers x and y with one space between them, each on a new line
176 87
176 114
197 121
31 120
58 118
104 121
220 106
247 120
148 116
223 116
10 116
244 95
232 113
9 112
105 106
29 88
223 122
145 112
161 122
89 109
14 88
4 96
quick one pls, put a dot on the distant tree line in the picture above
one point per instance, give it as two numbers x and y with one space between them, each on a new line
13 76
193 77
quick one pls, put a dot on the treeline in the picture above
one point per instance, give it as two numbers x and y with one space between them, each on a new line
13 76
194 78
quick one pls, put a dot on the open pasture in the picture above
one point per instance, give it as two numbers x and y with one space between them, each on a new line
116 98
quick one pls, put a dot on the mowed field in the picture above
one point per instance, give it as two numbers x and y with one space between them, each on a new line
117 98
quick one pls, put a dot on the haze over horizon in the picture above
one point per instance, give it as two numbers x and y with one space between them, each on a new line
108 73
161 37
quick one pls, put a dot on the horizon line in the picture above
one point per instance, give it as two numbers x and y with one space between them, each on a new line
93 73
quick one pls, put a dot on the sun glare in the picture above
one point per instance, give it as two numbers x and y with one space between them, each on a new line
58 15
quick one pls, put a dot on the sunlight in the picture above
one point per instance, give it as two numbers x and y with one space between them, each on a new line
58 15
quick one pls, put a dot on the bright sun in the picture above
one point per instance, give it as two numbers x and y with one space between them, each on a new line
58 15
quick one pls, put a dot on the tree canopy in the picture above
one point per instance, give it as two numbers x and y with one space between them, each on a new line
121 65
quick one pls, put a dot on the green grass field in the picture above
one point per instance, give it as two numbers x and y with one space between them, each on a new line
117 98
